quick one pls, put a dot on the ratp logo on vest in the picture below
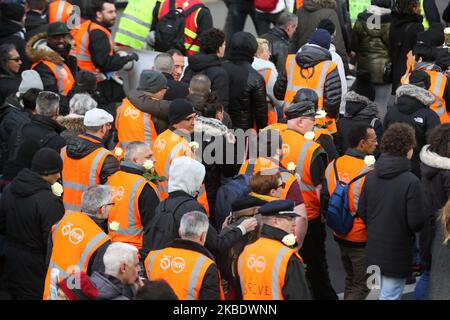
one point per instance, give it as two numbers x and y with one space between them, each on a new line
117 193
132 113
257 263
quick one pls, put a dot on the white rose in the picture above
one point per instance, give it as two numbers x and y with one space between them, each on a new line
194 145
369 160
291 166
310 135
114 226
118 151
148 165
289 240
57 189
321 114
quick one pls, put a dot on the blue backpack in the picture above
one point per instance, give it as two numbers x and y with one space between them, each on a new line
339 218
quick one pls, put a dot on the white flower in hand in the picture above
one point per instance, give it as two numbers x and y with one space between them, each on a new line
114 226
369 160
289 240
118 151
291 166
194 145
148 165
310 135
321 114
57 189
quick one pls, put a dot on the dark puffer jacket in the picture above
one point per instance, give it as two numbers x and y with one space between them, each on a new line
278 46
211 66
358 110
309 56
247 89
9 83
392 215
412 107
371 44
13 32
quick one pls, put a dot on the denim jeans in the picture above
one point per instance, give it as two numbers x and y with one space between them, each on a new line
236 16
421 290
391 288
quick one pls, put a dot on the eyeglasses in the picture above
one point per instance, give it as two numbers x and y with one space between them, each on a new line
17 59
282 185
109 204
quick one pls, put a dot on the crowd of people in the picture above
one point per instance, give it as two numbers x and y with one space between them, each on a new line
220 174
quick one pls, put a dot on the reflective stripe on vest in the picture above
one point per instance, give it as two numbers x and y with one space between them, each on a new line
59 13
63 76
300 164
355 188
193 280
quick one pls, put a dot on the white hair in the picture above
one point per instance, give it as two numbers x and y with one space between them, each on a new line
117 254
47 104
132 148
94 198
81 103
193 224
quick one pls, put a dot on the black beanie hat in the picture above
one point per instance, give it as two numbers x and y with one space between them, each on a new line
363 85
86 80
179 110
46 162
12 11
328 25
420 78
433 36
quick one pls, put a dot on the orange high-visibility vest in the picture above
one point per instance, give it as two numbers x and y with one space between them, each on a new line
63 75
276 126
79 174
82 40
134 125
75 238
262 269
183 269
349 167
272 116
59 11
311 78
168 146
300 151
191 40
127 188
410 61
261 164
298 5
438 82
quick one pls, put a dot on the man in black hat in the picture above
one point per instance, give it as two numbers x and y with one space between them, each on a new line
272 255
50 56
29 207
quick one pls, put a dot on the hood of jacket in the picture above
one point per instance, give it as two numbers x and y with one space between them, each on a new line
389 167
28 183
37 50
107 289
186 174
78 148
202 61
72 122
410 98
242 47
210 127
359 106
9 27
433 163
310 54
399 19
314 5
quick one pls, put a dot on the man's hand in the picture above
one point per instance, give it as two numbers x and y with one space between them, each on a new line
249 224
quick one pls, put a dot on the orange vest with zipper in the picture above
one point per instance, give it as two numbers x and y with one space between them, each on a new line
168 146
134 125
312 78
127 188
79 174
300 151
349 167
59 11
262 269
183 269
75 239
63 75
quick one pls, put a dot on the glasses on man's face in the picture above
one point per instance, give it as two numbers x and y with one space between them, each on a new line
282 185
16 59
109 204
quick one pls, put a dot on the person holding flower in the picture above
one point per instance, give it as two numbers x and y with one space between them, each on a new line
136 196
358 160
28 210
259 262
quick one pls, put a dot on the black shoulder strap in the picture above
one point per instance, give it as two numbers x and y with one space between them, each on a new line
192 9
171 5
359 177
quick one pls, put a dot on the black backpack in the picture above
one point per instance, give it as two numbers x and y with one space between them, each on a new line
169 31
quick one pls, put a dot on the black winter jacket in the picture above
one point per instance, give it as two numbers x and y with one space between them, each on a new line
392 207
412 108
9 84
35 23
13 32
402 38
435 171
211 66
278 46
79 148
175 89
28 210
358 110
310 56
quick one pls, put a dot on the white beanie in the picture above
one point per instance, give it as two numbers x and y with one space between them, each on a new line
186 174
30 80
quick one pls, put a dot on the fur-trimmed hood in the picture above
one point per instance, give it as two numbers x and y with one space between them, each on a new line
73 123
360 106
423 96
37 50
314 5
434 160
211 127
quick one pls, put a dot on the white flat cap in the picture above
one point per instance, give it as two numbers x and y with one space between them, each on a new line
97 117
